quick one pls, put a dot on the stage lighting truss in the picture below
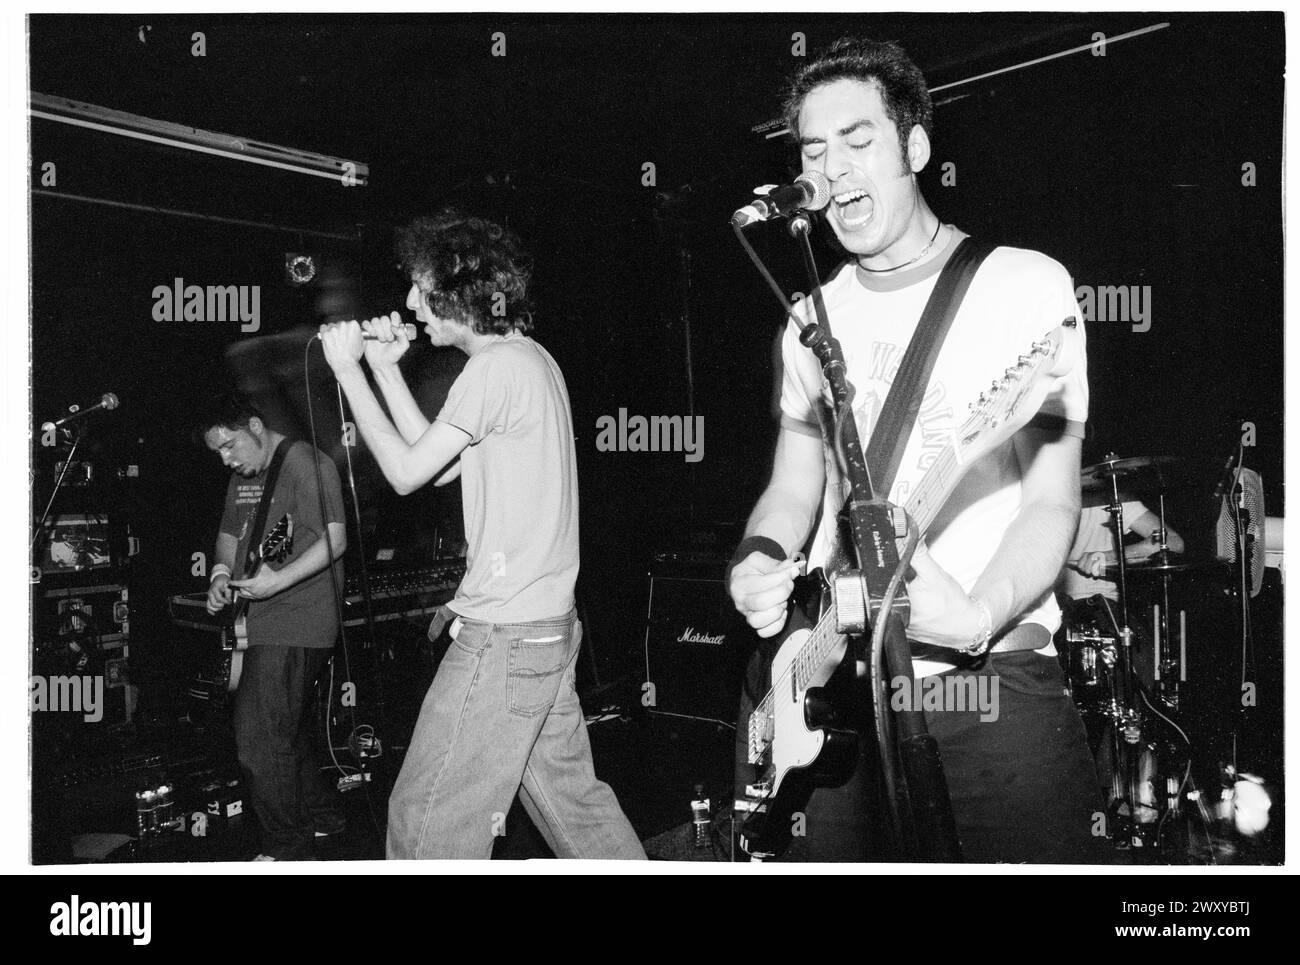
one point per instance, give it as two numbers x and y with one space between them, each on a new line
347 172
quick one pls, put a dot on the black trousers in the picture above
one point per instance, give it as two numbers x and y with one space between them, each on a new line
273 737
1023 784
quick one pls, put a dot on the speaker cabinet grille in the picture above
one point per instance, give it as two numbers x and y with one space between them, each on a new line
696 645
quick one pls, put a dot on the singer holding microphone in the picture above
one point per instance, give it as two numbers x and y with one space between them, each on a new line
502 715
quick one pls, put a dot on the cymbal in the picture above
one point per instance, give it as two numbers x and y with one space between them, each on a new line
1136 477
1162 566
1125 468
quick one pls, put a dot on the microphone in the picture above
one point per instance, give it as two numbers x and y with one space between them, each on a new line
810 190
408 327
107 401
1225 477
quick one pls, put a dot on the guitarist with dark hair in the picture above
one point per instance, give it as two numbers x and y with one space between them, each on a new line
998 528
291 617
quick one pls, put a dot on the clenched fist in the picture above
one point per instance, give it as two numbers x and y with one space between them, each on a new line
760 587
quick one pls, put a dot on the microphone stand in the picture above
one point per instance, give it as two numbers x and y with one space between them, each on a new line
58 484
1125 719
920 807
1243 539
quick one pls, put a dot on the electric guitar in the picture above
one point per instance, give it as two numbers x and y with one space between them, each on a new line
234 636
797 739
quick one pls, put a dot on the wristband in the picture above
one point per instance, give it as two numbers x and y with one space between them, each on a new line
219 569
984 634
755 544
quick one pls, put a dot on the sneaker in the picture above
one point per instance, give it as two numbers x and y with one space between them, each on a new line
265 857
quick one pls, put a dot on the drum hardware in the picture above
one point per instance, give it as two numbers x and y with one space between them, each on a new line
1133 718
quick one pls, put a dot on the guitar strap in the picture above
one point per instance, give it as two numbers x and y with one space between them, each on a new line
903 403
263 505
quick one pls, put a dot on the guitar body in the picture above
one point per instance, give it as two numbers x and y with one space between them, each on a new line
809 743
234 638
235 656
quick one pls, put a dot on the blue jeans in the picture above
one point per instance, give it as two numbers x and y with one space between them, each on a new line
502 717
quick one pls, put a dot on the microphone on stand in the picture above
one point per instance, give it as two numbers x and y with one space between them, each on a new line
1225 477
107 401
810 191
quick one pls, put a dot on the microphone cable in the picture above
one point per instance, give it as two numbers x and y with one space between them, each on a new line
334 580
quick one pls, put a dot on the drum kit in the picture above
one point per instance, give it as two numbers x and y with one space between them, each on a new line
1128 678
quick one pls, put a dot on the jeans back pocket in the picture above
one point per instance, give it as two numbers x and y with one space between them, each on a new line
538 658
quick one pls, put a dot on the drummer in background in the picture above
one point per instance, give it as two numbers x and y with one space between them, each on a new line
1084 577
1094 549
1084 581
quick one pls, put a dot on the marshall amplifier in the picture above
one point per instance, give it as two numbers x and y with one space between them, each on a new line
696 646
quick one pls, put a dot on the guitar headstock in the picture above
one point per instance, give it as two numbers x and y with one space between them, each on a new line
1012 400
279 541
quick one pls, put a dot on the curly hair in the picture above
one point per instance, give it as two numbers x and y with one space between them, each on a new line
469 269
900 82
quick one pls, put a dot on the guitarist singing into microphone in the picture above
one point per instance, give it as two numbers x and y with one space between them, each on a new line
292 621
1019 774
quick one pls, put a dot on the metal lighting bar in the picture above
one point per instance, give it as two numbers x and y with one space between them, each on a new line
1004 70
1041 60
79 114
195 215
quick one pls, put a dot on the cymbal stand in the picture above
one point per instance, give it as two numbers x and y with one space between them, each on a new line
1169 670
1126 729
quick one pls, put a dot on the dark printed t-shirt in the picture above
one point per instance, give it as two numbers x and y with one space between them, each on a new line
304 614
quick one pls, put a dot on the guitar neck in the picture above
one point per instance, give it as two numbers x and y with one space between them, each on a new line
937 485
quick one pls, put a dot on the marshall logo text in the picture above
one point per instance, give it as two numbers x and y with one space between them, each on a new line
690 635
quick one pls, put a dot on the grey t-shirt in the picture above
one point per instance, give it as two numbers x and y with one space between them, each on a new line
519 484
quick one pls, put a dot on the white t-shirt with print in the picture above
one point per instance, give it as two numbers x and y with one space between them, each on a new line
1015 298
